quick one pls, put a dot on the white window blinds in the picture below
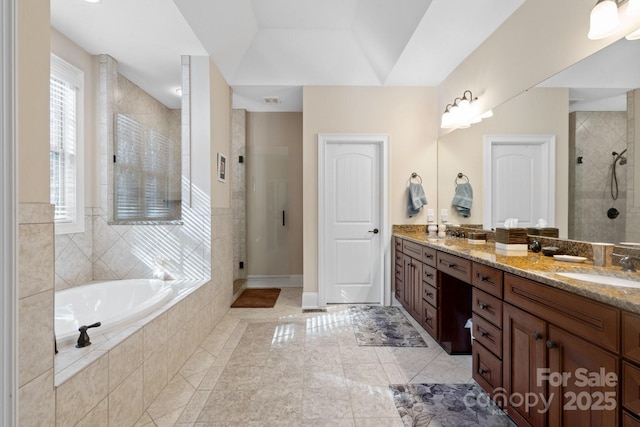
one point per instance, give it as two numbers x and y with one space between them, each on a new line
142 169
66 85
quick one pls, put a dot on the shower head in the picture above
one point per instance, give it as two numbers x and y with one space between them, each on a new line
619 156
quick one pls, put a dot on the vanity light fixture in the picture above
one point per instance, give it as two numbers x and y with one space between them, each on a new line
463 112
605 19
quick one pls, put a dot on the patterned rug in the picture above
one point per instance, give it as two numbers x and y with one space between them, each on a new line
383 326
447 405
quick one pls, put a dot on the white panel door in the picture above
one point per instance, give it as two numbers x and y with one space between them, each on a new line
521 180
353 267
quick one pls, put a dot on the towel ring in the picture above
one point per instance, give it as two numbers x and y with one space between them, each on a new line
460 176
414 176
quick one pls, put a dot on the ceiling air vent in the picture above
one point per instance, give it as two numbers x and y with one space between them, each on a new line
272 100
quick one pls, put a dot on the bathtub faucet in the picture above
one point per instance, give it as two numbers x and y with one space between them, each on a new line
83 339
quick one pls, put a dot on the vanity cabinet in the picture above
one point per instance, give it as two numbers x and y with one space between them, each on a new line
487 326
631 368
580 355
572 336
408 276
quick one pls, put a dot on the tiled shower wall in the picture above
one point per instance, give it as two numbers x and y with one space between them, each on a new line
239 191
593 136
633 206
105 251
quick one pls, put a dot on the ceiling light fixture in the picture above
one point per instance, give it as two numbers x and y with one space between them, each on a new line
92 1
605 19
463 112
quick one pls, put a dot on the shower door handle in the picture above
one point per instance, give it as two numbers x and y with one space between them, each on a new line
283 221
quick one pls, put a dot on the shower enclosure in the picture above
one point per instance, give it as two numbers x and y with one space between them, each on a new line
267 211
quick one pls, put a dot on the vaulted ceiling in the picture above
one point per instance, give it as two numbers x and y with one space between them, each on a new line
271 48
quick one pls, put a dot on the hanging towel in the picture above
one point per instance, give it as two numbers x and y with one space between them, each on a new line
463 199
416 199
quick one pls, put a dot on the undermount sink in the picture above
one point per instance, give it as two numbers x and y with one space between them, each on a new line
603 280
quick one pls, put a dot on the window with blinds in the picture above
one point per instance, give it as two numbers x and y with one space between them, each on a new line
143 163
66 154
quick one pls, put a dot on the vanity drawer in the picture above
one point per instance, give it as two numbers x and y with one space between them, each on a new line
631 336
487 368
584 317
487 278
399 258
455 266
398 243
412 249
631 387
629 420
429 256
429 275
430 319
487 306
487 335
430 294
399 272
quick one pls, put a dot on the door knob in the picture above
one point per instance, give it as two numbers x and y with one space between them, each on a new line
374 231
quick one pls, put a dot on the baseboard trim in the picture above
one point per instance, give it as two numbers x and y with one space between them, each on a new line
310 301
293 281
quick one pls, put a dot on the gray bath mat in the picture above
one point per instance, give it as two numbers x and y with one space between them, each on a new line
383 326
436 405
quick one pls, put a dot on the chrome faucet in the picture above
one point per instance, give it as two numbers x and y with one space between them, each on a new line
626 262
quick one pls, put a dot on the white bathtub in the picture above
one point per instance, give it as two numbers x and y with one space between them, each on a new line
113 303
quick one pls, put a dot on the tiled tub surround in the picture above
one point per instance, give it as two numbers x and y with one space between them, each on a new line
536 266
35 314
115 379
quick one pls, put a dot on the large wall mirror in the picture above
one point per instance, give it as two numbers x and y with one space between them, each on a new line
590 108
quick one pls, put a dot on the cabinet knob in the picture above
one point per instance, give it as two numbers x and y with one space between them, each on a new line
483 334
428 294
483 306
482 371
552 344
536 335
483 278
451 265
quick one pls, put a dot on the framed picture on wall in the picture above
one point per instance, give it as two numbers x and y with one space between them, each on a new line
222 167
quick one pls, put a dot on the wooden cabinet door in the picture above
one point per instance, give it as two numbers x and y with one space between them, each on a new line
578 403
524 352
408 277
416 289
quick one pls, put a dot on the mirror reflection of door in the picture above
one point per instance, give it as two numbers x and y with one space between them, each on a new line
519 180
267 211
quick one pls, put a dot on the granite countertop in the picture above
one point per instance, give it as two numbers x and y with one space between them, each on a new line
543 269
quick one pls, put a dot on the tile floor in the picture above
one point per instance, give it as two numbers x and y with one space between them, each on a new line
281 367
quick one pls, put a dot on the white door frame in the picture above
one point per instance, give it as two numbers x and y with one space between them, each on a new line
548 143
325 139
8 218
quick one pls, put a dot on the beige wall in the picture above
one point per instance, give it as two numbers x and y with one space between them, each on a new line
538 111
220 96
284 129
32 75
540 39
64 48
408 115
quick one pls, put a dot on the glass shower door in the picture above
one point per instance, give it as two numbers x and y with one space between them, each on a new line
267 211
